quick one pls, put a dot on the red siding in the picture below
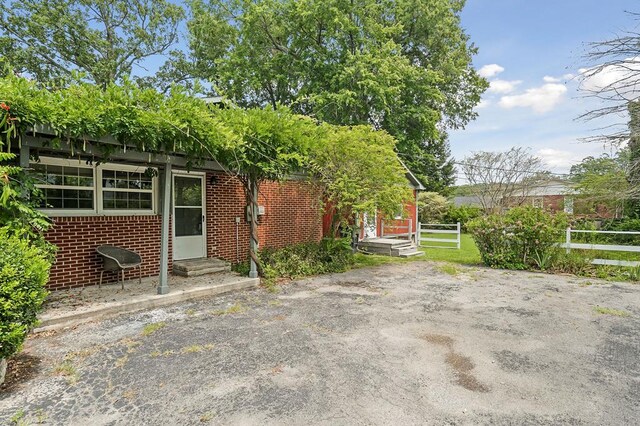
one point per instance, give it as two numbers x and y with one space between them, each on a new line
292 215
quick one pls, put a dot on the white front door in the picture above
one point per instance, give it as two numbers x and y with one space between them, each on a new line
189 233
370 225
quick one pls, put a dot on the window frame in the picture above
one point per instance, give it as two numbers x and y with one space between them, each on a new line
98 207
125 212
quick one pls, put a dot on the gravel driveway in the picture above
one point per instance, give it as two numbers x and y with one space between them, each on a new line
413 343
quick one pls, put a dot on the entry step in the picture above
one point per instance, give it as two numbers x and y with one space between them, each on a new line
197 267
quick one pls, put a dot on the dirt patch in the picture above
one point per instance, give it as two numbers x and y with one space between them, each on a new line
439 339
461 365
20 368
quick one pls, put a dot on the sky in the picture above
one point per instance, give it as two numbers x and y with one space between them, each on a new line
531 51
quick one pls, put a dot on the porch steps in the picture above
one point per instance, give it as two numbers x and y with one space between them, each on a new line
390 247
197 267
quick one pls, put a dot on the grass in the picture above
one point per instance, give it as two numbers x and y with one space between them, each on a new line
449 269
610 311
236 308
67 370
152 328
467 255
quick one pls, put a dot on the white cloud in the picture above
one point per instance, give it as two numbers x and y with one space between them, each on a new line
502 86
549 79
483 104
623 77
490 70
558 159
540 99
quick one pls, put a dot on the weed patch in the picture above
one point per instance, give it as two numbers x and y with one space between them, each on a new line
149 329
236 308
610 311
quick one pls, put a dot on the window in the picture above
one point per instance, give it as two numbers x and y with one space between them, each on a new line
65 187
72 188
126 190
538 202
568 205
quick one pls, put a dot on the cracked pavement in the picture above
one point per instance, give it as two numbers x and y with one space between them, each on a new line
395 344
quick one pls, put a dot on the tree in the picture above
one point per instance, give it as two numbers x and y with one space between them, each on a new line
101 39
402 66
359 172
612 77
602 181
503 179
431 207
274 144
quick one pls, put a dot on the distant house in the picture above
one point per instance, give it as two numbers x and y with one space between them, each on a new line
554 195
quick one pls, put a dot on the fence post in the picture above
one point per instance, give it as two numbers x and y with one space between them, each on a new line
418 231
568 239
458 235
410 233
381 228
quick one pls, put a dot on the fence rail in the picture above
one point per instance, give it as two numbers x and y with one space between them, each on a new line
432 228
568 245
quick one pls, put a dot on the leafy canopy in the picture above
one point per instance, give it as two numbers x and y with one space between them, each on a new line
103 39
359 171
402 66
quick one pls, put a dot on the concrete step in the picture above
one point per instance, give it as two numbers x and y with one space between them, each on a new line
404 250
385 243
411 253
197 267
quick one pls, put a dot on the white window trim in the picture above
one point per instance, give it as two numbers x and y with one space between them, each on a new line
98 209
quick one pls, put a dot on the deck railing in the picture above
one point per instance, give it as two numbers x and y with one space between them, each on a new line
392 226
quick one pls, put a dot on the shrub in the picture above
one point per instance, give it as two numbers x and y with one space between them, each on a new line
462 214
431 207
24 271
299 260
523 238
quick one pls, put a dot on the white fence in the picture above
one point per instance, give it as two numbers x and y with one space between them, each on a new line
437 228
603 247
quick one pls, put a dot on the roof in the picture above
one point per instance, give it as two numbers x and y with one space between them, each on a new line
415 183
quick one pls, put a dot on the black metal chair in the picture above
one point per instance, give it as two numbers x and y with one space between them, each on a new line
118 259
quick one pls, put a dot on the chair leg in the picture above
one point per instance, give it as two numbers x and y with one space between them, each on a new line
100 284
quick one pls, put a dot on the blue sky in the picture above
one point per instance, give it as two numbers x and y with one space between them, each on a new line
529 49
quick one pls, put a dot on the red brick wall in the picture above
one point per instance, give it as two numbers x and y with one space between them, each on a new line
292 215
77 262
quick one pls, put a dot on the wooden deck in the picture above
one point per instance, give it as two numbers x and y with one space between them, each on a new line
389 247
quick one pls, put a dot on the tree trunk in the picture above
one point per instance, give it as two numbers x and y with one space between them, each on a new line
252 196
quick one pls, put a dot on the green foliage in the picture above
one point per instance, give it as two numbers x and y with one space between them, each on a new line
403 66
102 39
24 271
359 172
521 239
329 255
602 182
462 214
19 199
273 142
432 207
143 119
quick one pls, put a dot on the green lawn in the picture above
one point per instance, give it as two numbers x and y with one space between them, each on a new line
467 255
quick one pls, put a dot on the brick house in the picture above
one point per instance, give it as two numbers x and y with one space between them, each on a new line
121 202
